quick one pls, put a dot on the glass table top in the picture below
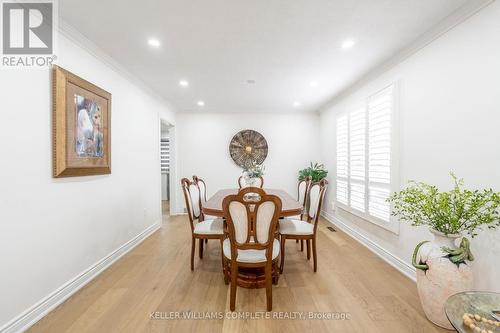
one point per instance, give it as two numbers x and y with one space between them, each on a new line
474 302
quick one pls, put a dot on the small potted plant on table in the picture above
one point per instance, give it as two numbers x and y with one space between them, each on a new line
252 171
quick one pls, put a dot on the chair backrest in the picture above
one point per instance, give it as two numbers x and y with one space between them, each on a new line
303 190
252 219
192 199
203 188
243 184
316 196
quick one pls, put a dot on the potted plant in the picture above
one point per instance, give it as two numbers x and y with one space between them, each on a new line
443 269
316 171
252 171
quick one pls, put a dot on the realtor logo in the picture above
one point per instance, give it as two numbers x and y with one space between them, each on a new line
28 30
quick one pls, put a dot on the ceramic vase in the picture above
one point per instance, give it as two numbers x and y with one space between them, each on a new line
442 279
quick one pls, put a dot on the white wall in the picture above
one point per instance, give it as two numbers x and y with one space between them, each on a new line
203 147
450 120
51 230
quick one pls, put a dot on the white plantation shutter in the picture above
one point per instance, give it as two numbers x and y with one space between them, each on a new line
357 160
364 145
342 159
342 194
165 155
380 109
378 207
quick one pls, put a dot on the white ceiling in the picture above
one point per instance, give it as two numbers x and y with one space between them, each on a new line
283 45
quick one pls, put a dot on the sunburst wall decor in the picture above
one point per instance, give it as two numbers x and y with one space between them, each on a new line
247 147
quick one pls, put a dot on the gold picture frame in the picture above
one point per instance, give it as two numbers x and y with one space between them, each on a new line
81 126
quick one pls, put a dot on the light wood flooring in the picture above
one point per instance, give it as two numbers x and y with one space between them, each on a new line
155 276
165 209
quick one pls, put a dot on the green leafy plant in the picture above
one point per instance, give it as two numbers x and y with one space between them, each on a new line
316 171
254 170
454 212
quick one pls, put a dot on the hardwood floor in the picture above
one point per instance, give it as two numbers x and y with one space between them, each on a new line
165 208
155 277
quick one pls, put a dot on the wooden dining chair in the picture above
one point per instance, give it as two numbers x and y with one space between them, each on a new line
302 196
201 229
304 230
303 192
251 237
203 199
243 184
203 196
202 186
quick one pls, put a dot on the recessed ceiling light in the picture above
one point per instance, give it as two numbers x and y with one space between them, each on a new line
153 42
313 83
296 104
347 44
201 103
183 83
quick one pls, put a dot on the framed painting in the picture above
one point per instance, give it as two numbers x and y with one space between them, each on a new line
81 126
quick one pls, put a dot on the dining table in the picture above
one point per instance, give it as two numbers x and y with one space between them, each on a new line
252 277
289 205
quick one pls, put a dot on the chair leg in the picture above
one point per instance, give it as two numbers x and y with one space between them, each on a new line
206 241
301 245
308 244
193 241
226 275
222 258
315 256
276 273
297 241
232 296
269 287
201 248
282 264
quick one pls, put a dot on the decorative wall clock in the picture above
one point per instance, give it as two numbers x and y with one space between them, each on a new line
248 147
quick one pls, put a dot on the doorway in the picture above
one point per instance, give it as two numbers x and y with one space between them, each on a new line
166 164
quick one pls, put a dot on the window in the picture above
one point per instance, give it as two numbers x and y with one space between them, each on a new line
342 157
364 152
165 155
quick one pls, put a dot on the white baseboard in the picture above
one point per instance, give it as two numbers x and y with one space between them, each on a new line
39 310
387 256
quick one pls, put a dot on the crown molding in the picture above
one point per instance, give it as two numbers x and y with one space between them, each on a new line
71 33
457 17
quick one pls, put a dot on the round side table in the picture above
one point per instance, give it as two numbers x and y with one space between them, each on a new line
475 302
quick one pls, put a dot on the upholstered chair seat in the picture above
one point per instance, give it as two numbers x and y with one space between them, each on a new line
250 256
209 227
296 227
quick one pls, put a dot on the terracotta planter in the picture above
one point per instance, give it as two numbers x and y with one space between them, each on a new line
442 279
